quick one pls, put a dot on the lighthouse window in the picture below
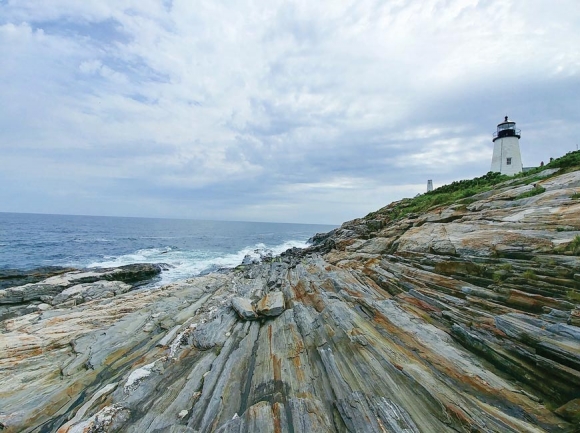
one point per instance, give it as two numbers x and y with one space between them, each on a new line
504 126
509 161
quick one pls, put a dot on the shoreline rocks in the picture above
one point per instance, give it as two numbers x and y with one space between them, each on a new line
64 283
462 319
17 277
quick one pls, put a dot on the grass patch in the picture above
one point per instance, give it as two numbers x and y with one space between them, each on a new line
468 201
462 191
530 275
458 191
468 193
499 276
565 229
573 296
534 191
575 196
567 162
574 246
571 159
527 179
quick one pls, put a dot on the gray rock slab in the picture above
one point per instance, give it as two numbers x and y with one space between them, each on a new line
91 291
272 304
244 308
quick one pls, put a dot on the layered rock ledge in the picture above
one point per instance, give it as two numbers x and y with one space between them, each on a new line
461 319
62 287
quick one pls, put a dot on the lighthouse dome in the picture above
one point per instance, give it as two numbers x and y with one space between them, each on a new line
507 128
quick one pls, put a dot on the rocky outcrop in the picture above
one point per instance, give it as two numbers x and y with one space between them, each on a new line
244 308
66 285
461 319
90 291
271 305
14 277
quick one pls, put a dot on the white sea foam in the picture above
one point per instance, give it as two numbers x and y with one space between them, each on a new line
91 241
185 264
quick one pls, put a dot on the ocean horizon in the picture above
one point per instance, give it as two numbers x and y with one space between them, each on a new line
187 247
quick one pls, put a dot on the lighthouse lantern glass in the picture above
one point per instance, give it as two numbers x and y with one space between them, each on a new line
506 125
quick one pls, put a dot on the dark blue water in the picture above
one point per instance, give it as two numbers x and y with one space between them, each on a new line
191 247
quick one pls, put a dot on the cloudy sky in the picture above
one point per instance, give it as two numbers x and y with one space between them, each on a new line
285 111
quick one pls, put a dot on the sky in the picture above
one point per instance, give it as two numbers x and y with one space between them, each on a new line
281 111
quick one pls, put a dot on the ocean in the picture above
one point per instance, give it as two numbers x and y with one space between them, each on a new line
189 247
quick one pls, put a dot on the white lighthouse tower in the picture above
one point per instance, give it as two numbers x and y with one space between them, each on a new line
506 149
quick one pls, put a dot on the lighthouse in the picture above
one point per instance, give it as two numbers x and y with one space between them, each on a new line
506 149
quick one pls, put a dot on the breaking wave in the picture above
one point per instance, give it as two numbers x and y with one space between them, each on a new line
184 264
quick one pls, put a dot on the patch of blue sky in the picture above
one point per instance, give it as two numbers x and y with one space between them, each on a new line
134 70
168 4
104 32
141 98
138 69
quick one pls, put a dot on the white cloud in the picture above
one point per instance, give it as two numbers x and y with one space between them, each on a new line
214 102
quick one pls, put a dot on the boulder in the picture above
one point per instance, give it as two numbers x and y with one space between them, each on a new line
271 304
134 273
570 411
575 317
214 332
244 308
248 260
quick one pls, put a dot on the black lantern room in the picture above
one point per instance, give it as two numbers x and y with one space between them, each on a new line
507 128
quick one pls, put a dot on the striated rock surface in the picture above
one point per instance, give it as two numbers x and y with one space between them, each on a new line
244 308
90 291
461 319
272 304
13 277
64 285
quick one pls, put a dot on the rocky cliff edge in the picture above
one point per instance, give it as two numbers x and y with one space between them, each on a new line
462 318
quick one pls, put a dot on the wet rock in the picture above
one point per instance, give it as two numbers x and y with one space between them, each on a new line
134 273
248 260
13 277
